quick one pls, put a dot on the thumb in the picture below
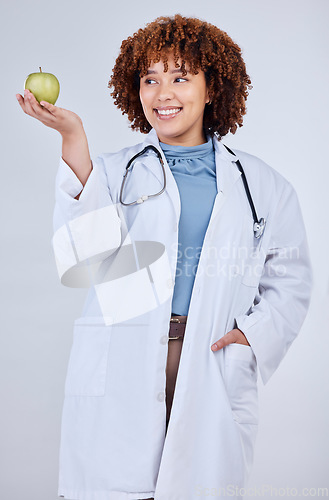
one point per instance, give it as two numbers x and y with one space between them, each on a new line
228 338
50 107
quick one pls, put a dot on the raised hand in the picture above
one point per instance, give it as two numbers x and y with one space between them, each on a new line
64 121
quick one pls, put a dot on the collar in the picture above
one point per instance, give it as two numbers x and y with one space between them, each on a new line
226 173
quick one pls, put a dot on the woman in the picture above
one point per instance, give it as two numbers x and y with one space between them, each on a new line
240 293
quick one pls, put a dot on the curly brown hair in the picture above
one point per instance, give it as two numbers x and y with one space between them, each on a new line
200 44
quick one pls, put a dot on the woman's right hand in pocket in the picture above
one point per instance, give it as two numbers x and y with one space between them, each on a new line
64 121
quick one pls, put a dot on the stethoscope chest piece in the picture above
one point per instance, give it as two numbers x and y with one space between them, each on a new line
259 228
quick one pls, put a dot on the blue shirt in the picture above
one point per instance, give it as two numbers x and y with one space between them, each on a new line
194 170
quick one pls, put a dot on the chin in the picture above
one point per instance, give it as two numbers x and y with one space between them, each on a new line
169 132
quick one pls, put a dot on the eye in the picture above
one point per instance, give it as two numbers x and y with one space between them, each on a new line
149 80
180 78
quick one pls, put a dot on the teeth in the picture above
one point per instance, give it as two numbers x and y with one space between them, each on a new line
168 111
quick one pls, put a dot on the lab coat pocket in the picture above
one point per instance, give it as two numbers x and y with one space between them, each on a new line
240 377
87 368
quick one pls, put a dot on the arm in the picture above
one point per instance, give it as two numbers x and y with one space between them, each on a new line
284 291
87 228
75 153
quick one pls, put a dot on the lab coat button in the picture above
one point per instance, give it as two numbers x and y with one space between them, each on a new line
170 283
164 339
161 396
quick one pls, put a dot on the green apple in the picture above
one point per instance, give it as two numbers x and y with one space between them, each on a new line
44 86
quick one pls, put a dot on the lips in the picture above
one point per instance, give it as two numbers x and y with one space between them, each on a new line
167 113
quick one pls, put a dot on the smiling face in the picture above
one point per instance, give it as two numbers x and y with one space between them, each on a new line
174 105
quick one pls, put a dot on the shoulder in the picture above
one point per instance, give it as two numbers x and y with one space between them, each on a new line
123 155
261 173
271 191
113 164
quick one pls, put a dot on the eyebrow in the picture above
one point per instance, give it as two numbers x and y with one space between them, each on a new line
152 72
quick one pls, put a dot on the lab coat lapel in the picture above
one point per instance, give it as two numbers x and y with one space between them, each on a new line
226 174
171 186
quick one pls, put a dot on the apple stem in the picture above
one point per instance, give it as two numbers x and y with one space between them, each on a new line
40 69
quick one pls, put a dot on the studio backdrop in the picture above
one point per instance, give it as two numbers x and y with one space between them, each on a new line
285 47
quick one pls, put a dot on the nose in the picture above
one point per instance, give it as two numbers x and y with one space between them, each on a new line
165 92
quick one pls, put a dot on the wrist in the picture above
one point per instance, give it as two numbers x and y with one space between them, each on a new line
73 133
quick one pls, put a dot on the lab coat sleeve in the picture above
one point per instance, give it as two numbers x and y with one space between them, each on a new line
86 230
283 297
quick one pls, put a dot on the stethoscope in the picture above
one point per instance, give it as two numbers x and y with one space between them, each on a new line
259 224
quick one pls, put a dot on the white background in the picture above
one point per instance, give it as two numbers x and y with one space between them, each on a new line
285 45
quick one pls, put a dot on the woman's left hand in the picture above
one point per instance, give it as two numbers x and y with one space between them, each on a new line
235 336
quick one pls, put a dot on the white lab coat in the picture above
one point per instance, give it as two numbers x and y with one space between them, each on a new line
113 441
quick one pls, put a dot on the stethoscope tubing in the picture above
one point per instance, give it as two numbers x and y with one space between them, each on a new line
259 224
143 197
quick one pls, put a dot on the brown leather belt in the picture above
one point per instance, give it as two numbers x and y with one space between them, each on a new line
177 327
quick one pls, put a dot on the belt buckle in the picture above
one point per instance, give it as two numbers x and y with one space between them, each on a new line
174 320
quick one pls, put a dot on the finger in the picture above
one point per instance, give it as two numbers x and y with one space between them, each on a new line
227 339
35 105
241 338
20 100
35 108
27 102
49 107
23 102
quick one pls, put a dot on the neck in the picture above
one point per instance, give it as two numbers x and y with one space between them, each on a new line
189 141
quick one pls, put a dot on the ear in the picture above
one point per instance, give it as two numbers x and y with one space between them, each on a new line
208 101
